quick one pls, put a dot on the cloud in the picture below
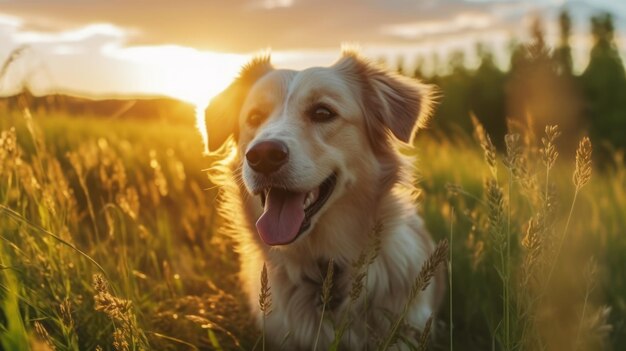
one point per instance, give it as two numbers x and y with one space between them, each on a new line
245 26
272 4
74 35
460 22
65 49
104 46
10 21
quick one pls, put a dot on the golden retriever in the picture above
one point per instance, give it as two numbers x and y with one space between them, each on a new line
312 166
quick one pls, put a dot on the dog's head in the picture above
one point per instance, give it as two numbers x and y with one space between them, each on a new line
308 138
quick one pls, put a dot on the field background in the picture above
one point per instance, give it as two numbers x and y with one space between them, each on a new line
133 198
109 238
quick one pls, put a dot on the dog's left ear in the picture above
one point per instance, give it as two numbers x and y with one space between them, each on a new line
221 115
398 103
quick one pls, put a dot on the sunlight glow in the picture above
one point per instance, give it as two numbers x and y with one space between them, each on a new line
182 72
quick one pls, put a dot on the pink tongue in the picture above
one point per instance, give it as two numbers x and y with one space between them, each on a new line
282 217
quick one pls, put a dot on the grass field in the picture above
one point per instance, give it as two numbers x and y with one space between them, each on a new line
109 240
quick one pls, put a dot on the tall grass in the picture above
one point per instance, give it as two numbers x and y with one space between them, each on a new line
107 242
518 236
81 197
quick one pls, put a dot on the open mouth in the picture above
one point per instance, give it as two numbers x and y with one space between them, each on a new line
287 214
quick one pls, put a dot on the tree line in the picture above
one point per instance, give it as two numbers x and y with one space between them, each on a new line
539 88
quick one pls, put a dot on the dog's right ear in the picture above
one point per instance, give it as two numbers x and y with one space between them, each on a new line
221 115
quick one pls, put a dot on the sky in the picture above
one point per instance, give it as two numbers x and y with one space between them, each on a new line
192 49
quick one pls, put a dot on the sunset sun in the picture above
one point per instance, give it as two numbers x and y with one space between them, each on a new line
184 73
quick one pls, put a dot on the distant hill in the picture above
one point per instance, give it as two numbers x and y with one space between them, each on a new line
160 108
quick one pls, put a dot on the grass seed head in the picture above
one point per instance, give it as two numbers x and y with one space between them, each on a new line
532 239
9 150
598 323
327 285
513 151
582 174
485 143
265 297
128 201
114 307
357 285
44 335
65 309
495 201
429 268
365 259
120 342
160 182
425 335
549 153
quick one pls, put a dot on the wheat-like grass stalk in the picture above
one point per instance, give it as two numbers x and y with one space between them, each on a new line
513 150
549 152
374 250
450 279
120 313
485 143
496 214
421 282
512 163
265 299
598 324
327 287
44 335
589 274
495 202
115 308
358 276
425 335
532 245
582 175
549 155
19 218
75 162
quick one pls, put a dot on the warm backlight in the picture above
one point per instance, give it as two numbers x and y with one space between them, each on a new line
184 73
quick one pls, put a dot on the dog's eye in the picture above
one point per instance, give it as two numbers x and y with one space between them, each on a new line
255 117
321 113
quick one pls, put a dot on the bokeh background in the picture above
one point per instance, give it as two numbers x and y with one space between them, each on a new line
559 61
110 238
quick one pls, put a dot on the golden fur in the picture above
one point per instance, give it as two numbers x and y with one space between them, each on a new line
377 111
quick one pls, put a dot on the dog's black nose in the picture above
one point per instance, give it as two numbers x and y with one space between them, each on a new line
267 156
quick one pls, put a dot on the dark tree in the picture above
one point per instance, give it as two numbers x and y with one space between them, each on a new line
418 70
452 113
563 52
604 83
486 95
400 65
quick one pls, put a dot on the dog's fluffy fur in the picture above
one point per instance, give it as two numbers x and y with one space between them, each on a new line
376 111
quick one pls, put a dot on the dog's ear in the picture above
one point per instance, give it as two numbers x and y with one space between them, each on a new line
398 103
221 115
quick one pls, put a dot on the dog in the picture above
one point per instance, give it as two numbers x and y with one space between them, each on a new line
310 167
